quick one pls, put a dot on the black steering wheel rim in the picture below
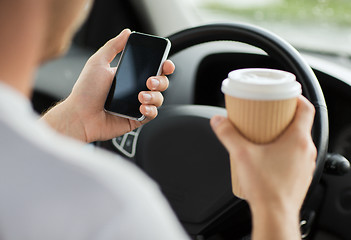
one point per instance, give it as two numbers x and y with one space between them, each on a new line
170 167
192 122
279 49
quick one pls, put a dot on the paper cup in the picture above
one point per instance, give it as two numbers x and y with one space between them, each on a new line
261 103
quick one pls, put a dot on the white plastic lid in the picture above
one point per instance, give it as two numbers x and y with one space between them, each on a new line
261 84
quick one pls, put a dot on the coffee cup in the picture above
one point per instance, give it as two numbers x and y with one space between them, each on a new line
260 103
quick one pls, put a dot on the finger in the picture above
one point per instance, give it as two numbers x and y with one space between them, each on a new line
228 134
151 98
304 115
111 48
149 111
158 83
168 67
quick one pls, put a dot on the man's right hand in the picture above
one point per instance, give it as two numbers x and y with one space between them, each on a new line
274 177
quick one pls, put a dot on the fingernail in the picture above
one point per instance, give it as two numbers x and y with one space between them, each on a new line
216 120
147 110
147 97
125 30
155 83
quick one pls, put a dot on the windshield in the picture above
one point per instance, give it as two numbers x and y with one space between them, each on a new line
313 25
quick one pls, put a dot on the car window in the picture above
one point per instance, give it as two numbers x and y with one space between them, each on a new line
314 25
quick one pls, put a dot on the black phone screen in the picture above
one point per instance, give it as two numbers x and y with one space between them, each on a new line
141 58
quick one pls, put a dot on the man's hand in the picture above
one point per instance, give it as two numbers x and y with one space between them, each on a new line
82 114
274 178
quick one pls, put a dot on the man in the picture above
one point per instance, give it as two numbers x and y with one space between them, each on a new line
53 188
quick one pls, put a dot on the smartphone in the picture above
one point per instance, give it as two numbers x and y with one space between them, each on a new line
141 58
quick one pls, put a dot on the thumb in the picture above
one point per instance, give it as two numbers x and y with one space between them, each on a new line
111 48
227 133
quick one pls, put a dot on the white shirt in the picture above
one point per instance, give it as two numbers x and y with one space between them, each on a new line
52 187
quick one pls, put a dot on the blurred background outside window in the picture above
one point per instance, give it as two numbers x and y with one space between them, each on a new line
322 26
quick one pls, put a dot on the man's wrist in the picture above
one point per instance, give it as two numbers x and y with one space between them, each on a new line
63 120
278 221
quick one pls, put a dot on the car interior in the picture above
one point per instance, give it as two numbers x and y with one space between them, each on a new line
193 168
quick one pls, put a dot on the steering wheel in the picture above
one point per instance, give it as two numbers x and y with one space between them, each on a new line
179 150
